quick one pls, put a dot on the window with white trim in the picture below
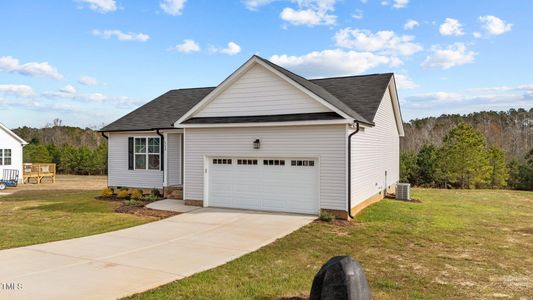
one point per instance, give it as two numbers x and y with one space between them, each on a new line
274 162
222 161
302 163
147 153
247 161
5 157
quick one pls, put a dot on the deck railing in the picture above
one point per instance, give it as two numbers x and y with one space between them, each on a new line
37 172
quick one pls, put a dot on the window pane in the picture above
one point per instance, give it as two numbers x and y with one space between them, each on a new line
153 161
7 153
1 157
140 145
153 145
7 161
140 161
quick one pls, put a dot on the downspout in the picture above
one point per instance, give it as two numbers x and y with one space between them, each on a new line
162 162
107 156
350 169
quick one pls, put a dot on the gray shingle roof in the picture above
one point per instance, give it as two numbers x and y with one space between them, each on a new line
357 96
361 93
161 112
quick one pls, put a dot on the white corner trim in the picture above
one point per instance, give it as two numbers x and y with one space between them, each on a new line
396 105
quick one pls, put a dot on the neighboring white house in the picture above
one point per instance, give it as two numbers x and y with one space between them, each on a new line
10 151
265 139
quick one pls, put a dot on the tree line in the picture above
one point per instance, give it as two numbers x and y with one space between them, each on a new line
465 159
74 150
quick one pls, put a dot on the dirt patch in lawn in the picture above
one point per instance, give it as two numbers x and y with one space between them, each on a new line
138 208
141 210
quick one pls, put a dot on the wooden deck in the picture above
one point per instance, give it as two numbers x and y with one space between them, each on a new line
35 173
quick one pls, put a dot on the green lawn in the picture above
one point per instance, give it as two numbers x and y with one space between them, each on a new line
32 217
455 244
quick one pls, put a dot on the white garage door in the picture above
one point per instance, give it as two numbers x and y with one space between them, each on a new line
273 184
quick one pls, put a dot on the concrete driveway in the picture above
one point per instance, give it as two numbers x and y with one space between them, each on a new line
124 262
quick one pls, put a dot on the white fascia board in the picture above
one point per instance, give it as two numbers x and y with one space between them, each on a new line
264 124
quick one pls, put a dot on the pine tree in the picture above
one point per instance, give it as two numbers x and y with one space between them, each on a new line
426 162
499 173
465 157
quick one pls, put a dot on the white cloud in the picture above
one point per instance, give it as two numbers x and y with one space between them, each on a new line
121 36
400 3
255 4
453 55
383 42
19 90
103 6
68 89
358 14
307 12
335 62
88 80
411 24
451 27
307 17
188 46
395 3
38 69
172 7
231 49
477 35
494 25
70 93
404 82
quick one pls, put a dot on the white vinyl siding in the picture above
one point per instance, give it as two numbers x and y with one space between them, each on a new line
374 151
8 142
326 143
118 173
260 92
173 157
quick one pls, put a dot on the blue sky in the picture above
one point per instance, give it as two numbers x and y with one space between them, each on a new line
89 62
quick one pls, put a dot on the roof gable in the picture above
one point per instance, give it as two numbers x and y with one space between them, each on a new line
12 134
253 61
258 91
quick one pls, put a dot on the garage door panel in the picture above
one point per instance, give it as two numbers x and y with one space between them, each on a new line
263 184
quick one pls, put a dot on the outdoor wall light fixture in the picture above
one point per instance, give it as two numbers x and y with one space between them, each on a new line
257 144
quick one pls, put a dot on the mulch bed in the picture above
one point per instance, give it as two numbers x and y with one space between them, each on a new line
141 210
138 209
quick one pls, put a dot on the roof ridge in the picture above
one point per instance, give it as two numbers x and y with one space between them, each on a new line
351 76
193 88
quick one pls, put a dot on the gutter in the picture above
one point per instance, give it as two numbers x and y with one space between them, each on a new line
350 170
103 134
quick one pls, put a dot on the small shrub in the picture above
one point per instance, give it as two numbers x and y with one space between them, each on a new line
107 192
132 202
150 198
326 216
156 192
123 194
122 188
136 195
